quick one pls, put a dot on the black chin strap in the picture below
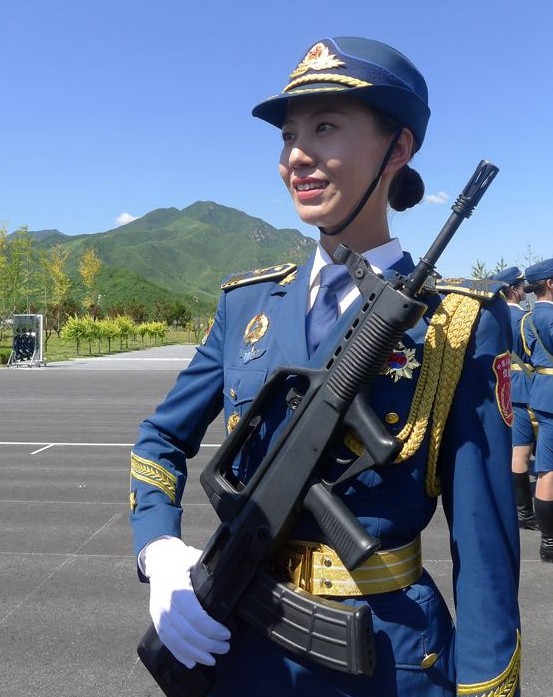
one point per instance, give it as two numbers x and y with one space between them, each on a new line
368 192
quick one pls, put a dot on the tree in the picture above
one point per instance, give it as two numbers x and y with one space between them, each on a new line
89 268
479 270
56 285
3 284
529 258
20 271
174 312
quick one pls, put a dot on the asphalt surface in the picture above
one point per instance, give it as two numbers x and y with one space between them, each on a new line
71 607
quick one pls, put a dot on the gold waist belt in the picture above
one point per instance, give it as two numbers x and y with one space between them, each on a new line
317 569
544 371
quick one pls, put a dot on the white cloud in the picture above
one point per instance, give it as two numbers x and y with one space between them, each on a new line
125 218
440 198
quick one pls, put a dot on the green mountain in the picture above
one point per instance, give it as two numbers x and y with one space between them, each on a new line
182 252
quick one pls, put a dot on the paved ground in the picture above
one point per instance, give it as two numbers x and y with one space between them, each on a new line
71 609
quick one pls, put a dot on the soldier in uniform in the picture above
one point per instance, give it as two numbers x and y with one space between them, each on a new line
538 338
523 431
352 114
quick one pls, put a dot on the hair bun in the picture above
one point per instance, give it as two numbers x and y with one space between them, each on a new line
406 189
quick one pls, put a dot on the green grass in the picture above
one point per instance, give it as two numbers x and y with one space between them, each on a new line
66 350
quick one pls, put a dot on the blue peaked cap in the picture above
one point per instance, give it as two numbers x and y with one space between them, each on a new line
540 271
367 70
512 276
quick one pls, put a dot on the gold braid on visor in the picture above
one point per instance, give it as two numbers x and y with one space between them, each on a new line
343 80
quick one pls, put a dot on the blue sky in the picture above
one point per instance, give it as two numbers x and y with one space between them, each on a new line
114 108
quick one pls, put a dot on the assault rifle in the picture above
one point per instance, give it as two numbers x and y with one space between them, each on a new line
232 575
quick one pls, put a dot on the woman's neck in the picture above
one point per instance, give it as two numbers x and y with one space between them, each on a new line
360 236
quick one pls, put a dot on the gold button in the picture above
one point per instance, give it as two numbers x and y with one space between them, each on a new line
429 660
232 393
391 418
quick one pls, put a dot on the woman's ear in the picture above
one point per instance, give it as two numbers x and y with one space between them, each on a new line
401 153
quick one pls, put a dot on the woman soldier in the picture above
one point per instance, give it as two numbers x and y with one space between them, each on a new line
352 114
538 337
523 432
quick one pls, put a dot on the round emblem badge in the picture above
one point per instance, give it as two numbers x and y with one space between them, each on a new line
256 328
401 363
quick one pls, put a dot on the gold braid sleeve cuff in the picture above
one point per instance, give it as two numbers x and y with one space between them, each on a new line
151 473
504 685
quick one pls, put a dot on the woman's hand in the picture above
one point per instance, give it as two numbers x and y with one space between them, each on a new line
183 626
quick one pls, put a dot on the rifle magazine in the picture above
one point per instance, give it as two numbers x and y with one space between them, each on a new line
324 631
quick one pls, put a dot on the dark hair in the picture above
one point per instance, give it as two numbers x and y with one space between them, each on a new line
407 186
406 189
509 291
538 287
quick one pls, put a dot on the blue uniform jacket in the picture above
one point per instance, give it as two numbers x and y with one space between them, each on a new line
483 653
520 380
541 392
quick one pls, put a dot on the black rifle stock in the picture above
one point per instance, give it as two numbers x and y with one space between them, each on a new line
256 518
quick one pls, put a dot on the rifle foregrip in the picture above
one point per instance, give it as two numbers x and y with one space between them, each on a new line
351 542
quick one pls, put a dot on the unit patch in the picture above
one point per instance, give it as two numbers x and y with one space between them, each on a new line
502 370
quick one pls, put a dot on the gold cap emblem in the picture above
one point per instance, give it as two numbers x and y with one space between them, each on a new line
317 58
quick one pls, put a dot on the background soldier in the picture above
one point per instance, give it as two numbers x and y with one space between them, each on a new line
524 424
538 337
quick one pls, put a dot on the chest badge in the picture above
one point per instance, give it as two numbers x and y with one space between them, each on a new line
255 330
401 363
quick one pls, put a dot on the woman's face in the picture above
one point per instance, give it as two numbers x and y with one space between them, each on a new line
332 151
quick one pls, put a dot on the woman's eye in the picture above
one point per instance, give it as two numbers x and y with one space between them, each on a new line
323 127
287 136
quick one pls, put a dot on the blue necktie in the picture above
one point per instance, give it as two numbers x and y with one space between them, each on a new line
324 313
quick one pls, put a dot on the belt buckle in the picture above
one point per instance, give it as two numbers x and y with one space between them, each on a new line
299 564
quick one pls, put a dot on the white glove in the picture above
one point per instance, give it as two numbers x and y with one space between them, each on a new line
183 626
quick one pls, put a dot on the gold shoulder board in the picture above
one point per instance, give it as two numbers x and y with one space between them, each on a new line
270 273
480 288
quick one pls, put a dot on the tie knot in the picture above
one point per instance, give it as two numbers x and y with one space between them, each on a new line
335 276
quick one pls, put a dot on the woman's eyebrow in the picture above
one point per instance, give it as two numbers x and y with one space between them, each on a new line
320 113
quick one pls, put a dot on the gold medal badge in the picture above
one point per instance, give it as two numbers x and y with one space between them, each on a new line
232 422
255 330
401 363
